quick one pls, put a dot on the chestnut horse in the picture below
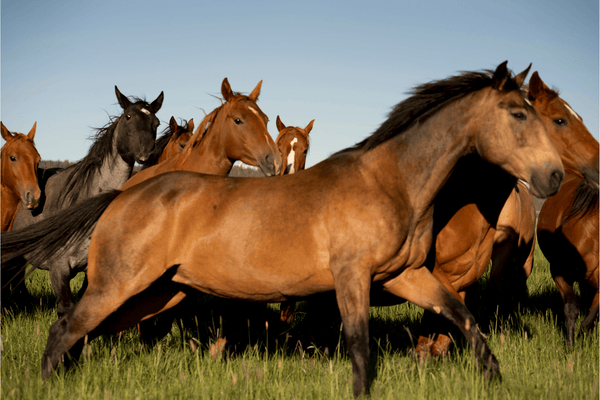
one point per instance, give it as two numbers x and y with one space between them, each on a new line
172 142
293 143
108 165
19 162
514 240
234 131
361 216
568 236
465 243
237 130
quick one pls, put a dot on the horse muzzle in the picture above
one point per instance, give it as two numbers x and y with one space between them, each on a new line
545 184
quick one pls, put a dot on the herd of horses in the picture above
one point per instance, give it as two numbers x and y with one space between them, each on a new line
414 212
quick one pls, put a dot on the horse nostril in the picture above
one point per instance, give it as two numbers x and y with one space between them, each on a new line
556 179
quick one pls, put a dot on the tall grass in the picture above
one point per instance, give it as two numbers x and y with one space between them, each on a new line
265 359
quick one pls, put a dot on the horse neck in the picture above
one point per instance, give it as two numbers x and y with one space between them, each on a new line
210 155
113 171
414 165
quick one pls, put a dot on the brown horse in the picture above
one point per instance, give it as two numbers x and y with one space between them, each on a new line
363 215
293 143
237 130
172 142
568 237
19 162
465 243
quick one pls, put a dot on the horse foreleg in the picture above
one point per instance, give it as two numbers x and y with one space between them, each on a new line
352 290
434 338
420 287
571 308
592 316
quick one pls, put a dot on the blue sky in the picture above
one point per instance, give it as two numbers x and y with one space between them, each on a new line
344 64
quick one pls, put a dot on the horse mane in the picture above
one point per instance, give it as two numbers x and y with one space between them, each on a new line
425 100
162 142
83 171
584 200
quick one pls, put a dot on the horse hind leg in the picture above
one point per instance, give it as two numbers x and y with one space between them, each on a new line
421 288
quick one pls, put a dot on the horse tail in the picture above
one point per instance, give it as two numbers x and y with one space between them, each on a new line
49 238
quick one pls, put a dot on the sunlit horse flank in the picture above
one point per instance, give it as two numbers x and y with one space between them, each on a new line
172 142
293 144
123 141
461 258
362 215
19 163
237 130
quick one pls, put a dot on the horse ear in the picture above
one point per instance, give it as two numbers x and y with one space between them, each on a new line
280 125
191 125
123 100
173 125
31 133
500 76
254 95
309 127
226 90
157 104
519 79
536 86
6 135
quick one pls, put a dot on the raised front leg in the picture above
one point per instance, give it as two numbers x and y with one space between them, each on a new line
420 287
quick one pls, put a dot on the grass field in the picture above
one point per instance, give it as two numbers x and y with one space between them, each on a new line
266 361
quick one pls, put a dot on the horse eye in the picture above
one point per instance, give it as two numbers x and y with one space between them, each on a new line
238 121
12 158
305 151
560 121
128 117
519 116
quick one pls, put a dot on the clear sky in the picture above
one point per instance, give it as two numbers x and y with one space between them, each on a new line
344 64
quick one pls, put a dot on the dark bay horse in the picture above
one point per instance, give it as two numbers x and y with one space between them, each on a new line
108 165
234 131
361 216
171 142
465 241
19 163
293 143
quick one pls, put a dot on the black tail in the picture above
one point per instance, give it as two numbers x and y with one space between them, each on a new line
48 238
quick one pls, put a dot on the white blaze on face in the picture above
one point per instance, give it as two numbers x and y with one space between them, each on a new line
571 110
292 156
145 111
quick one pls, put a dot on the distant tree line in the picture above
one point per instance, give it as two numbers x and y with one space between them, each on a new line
54 164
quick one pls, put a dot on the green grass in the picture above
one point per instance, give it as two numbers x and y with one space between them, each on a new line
268 362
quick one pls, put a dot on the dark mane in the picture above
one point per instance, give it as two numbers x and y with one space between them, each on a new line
162 142
82 171
424 101
584 200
